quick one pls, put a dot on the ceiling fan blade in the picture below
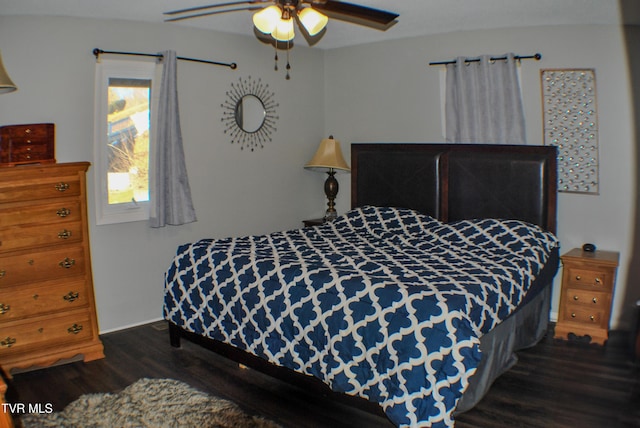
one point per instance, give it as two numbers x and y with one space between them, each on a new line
213 12
214 6
370 17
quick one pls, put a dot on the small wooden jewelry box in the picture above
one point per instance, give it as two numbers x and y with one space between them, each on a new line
24 144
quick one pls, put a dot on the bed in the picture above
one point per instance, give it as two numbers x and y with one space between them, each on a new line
414 301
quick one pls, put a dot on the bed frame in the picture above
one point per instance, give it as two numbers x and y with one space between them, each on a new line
449 182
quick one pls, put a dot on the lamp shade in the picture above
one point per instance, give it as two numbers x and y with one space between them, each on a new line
312 20
6 84
329 156
267 18
284 30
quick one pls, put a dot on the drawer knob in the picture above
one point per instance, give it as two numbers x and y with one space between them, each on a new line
7 342
61 187
592 318
71 296
573 315
67 263
4 308
2 273
575 297
64 234
598 281
75 329
594 300
63 212
578 277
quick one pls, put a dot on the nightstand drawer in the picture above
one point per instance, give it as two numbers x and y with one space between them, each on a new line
585 316
589 279
592 299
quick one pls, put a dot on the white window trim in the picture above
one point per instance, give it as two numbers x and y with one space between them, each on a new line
105 69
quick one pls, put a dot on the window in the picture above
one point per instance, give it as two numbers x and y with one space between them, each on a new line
125 100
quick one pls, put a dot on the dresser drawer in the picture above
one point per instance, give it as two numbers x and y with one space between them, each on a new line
17 238
57 212
41 266
45 331
45 188
21 302
589 279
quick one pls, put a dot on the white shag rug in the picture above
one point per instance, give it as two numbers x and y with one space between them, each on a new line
148 403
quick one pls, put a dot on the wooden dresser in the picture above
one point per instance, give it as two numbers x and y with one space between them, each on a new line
588 281
47 309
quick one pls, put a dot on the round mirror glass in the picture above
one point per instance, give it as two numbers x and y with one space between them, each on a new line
250 113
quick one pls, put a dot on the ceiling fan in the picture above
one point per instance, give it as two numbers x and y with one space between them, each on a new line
274 19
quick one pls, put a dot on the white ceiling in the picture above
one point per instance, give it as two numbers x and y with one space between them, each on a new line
417 17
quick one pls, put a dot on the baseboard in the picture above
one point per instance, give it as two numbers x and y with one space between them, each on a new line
125 327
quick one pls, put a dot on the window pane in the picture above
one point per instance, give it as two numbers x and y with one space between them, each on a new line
128 140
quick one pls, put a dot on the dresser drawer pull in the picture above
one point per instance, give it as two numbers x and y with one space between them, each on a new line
592 318
573 315
71 296
64 234
2 273
578 277
61 187
4 308
575 297
63 212
7 342
75 329
598 281
594 300
67 263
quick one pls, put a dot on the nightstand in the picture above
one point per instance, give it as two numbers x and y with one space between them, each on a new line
588 281
313 222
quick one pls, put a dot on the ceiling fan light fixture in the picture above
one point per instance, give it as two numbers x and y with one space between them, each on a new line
267 19
312 20
284 30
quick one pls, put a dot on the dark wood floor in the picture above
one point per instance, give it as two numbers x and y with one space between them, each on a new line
554 384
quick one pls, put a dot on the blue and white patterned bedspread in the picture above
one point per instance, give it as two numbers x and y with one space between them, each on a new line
382 303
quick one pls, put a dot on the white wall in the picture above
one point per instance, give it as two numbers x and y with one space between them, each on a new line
387 92
235 192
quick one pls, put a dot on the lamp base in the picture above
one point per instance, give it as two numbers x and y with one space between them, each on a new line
330 215
331 190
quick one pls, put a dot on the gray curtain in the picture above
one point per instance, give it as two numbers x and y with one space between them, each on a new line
483 102
171 196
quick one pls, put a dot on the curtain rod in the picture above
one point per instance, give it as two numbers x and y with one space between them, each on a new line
537 57
97 52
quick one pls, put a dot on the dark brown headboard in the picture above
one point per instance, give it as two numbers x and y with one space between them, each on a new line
458 181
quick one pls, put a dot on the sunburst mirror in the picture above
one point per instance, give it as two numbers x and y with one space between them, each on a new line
249 113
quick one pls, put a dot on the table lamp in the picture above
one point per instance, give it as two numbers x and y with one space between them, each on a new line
329 157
